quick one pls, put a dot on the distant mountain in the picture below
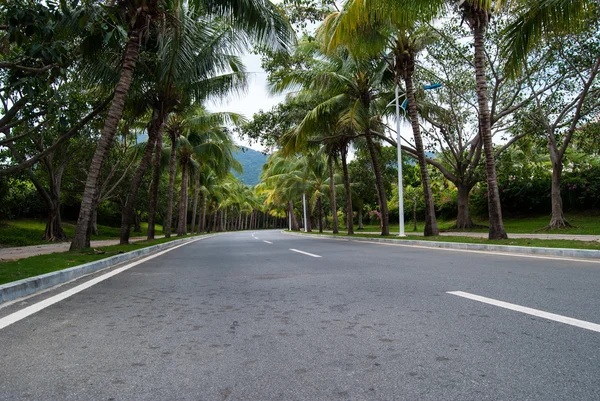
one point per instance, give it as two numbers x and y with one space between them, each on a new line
252 161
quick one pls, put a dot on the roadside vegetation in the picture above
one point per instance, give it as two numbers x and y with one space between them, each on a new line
42 264
527 242
106 127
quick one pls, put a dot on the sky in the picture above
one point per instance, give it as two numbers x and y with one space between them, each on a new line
256 98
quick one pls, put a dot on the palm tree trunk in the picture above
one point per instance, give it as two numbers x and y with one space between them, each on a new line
360 219
94 222
349 217
431 227
182 223
83 228
195 205
495 210
155 185
332 200
320 207
128 210
172 166
202 222
385 228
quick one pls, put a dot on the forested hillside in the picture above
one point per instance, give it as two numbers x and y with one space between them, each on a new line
252 161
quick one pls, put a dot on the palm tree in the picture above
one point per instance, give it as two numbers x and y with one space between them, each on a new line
255 19
204 141
541 20
375 33
352 88
136 14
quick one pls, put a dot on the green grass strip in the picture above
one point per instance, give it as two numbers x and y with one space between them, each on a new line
42 264
539 243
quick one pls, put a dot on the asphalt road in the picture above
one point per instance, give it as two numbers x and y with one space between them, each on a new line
233 317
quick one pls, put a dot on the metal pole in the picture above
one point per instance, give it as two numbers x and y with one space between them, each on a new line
290 219
400 187
304 205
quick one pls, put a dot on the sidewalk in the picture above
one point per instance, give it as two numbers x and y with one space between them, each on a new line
576 237
21 252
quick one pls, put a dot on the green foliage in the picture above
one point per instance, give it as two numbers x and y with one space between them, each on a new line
252 163
26 232
36 265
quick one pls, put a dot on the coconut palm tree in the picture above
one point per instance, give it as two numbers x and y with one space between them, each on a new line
401 41
255 19
183 72
204 141
541 20
353 88
477 14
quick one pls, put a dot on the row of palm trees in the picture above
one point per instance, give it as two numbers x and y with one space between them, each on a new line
177 54
371 46
285 179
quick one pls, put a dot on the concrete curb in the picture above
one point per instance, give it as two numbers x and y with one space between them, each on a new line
31 285
522 250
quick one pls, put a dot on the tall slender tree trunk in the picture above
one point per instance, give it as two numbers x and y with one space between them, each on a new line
92 184
154 130
293 215
182 223
137 221
196 195
431 227
308 216
381 195
320 207
360 219
497 230
349 217
172 169
202 222
332 199
414 214
155 185
94 222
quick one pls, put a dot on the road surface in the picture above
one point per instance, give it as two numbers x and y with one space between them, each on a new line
269 316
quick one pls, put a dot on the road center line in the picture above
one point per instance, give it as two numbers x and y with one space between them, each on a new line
30 310
305 253
530 311
268 242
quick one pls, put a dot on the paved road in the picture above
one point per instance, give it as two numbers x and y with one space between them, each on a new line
234 317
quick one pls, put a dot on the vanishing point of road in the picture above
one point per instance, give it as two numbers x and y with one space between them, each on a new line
263 315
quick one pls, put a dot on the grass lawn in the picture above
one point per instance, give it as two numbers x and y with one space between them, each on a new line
543 243
30 232
36 265
584 224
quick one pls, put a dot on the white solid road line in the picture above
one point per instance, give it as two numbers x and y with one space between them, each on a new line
514 255
30 310
268 242
306 253
530 311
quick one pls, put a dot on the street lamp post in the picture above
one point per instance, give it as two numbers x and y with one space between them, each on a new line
400 185
304 206
398 139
